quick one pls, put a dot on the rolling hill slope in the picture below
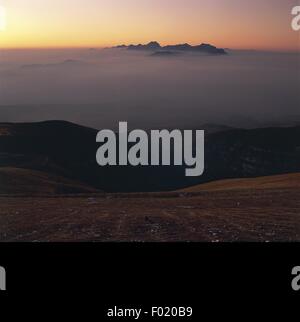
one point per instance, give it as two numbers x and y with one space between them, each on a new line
69 150
284 181
30 182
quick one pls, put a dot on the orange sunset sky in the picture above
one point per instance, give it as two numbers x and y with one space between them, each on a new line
255 24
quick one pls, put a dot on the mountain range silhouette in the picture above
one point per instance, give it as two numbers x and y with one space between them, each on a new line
156 47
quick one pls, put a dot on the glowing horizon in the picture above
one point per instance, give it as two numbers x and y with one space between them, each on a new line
259 25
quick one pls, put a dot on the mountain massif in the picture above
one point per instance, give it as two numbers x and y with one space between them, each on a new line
155 47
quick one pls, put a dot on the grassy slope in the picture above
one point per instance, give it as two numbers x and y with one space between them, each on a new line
291 180
24 181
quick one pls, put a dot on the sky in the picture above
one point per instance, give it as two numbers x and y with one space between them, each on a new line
237 24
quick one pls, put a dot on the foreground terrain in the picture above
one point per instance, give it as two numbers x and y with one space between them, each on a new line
52 189
261 215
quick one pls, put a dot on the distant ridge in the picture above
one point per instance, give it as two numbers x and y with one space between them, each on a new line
156 47
65 63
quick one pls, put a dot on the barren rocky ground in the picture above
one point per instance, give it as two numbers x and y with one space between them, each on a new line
261 215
